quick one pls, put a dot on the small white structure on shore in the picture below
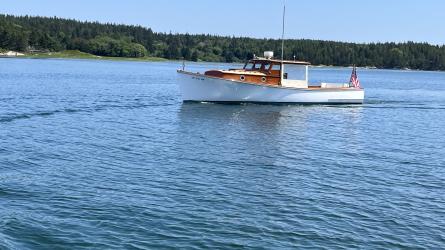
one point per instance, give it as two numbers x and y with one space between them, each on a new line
11 54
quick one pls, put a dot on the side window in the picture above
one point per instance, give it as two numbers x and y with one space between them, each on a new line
276 67
266 66
258 66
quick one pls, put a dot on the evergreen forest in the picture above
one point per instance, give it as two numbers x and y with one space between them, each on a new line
52 34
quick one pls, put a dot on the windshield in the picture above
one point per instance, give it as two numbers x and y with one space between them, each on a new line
248 66
258 66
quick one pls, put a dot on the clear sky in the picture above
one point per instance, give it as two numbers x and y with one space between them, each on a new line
340 20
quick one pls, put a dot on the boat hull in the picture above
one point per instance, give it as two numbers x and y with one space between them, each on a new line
201 88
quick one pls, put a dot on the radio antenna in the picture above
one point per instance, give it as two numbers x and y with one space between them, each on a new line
282 34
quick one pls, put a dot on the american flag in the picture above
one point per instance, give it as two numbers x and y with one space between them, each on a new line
354 82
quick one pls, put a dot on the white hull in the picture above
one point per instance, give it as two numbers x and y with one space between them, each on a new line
201 88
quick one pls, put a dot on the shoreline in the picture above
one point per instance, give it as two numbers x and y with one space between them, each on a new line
74 54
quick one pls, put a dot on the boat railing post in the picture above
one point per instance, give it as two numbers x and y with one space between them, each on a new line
282 74
307 74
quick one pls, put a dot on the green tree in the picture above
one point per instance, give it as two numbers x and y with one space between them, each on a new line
195 56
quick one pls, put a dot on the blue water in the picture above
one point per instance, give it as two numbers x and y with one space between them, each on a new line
103 155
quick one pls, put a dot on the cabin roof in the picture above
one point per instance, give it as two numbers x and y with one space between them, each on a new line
260 59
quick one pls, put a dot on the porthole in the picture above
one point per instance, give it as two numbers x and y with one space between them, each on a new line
263 79
242 78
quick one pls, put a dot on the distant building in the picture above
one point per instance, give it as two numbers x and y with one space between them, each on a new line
11 54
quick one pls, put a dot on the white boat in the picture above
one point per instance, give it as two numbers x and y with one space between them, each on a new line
265 80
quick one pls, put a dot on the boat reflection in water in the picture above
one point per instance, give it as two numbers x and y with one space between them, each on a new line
265 135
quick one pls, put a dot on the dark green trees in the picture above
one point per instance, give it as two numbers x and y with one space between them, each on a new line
107 46
13 36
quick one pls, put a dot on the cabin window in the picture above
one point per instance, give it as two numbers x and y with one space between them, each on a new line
266 66
258 66
276 67
248 66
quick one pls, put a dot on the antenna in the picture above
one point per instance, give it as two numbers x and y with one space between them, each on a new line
282 45
282 34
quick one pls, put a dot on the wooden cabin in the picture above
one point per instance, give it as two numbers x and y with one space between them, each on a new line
268 71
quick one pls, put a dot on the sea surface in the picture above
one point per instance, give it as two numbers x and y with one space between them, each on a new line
104 155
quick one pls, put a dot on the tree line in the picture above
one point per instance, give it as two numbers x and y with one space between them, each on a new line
29 33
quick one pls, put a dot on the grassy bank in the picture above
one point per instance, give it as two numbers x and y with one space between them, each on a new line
75 54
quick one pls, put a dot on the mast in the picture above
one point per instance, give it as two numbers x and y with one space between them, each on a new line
282 34
282 42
